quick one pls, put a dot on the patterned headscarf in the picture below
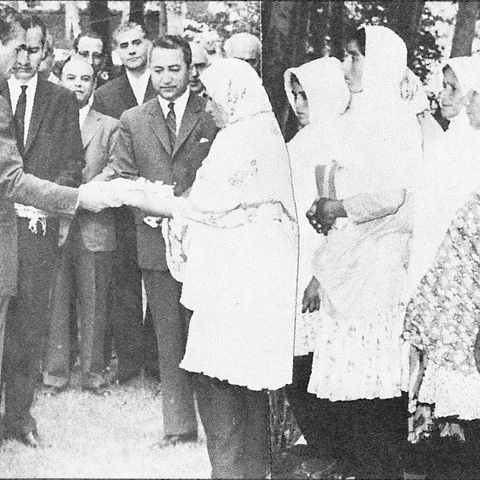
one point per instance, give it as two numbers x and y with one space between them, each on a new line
236 87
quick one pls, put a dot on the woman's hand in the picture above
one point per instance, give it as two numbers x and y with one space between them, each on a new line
323 213
311 297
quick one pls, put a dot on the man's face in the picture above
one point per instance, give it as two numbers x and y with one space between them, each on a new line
170 73
451 97
78 76
132 47
91 49
353 63
8 51
199 64
29 58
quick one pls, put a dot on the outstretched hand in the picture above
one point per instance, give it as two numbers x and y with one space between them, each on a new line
95 196
311 297
155 198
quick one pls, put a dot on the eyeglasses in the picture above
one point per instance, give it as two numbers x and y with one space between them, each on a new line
95 55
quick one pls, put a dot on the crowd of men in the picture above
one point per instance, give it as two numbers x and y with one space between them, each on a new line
77 297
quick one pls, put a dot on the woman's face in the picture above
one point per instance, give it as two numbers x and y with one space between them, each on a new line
353 62
451 97
300 104
473 109
218 113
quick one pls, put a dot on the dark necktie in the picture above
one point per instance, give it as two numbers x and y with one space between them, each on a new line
20 117
172 124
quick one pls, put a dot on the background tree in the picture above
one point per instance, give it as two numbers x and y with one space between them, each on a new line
464 32
137 11
99 19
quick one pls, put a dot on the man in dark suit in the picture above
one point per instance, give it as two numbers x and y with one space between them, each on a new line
18 186
83 271
48 136
166 139
135 344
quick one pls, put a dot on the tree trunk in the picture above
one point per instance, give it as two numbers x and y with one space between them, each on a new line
336 29
162 18
464 28
137 8
99 19
284 35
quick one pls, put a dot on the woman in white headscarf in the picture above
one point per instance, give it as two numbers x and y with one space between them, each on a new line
318 95
239 276
362 269
442 317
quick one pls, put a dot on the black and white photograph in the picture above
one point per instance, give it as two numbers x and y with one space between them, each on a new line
240 239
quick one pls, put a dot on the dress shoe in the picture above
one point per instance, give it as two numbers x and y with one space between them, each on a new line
51 391
30 439
173 440
98 391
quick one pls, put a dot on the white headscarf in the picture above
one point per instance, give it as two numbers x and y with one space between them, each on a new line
382 145
324 85
450 173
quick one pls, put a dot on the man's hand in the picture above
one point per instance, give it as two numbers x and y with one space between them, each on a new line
96 196
311 297
63 229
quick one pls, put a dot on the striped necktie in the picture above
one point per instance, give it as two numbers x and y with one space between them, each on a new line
172 124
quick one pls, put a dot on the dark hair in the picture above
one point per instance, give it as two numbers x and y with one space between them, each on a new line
126 27
358 35
90 34
174 42
294 79
33 21
9 18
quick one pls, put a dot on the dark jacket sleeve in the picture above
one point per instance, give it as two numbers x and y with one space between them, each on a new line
18 186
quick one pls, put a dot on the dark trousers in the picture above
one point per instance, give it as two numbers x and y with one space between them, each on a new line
316 424
237 425
79 293
369 435
170 319
27 324
125 314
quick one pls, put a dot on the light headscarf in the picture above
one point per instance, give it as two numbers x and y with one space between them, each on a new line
248 157
382 145
324 85
236 87
450 174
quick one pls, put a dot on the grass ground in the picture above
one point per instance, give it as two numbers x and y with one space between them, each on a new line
103 437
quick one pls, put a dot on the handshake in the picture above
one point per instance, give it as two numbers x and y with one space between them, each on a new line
140 193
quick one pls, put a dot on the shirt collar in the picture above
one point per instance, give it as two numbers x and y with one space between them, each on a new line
180 105
14 84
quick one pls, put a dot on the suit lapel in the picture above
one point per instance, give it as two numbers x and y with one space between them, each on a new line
40 104
158 125
149 92
126 92
190 118
90 127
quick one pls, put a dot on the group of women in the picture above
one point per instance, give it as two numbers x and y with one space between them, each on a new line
387 298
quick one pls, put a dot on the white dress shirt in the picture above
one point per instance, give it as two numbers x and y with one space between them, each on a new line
15 88
139 85
179 107
82 114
